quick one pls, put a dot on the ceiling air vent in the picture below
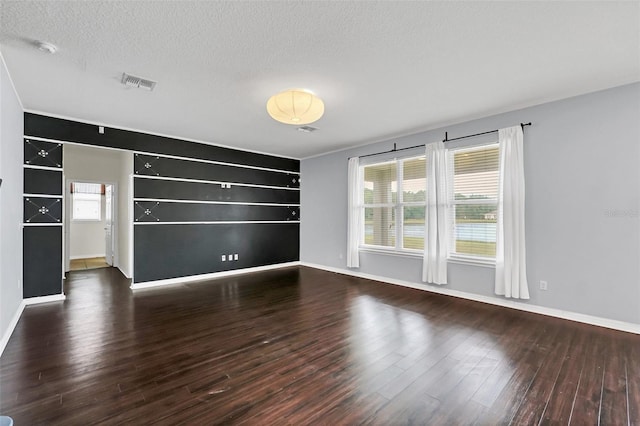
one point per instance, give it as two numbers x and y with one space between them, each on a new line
138 82
307 129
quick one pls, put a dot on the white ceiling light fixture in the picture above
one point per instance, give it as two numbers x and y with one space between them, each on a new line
46 47
295 106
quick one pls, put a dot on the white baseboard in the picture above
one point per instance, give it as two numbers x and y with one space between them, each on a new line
86 256
44 299
18 314
123 272
12 325
552 312
203 277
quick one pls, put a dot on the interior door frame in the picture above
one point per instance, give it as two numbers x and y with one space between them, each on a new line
67 219
113 214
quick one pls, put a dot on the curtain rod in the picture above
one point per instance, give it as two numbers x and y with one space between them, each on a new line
446 139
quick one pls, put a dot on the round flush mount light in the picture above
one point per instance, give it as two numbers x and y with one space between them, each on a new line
46 47
295 106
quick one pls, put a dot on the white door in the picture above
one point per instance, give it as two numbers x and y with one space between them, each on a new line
108 223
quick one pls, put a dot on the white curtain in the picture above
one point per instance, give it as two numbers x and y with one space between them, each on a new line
511 268
434 266
355 215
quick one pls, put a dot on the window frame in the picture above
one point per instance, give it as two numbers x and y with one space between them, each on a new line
453 256
397 206
73 210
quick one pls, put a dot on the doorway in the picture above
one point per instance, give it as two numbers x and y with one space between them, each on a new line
90 222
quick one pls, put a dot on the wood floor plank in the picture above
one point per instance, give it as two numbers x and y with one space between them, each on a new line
559 403
508 402
613 405
586 406
633 382
537 397
304 346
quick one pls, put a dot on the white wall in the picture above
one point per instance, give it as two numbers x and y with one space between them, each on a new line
87 238
91 164
125 197
582 206
11 159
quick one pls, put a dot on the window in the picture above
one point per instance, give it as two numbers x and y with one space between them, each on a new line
394 204
473 186
394 197
86 199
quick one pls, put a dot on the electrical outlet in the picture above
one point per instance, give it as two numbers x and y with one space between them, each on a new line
543 285
224 258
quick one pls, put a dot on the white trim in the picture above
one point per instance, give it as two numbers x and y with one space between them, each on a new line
477 147
243 203
204 222
216 182
390 251
552 312
214 275
44 299
64 117
127 275
219 163
43 224
86 220
480 261
42 196
130 220
15 92
12 326
32 166
177 157
39 138
86 256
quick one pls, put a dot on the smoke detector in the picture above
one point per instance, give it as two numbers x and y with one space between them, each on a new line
46 47
137 82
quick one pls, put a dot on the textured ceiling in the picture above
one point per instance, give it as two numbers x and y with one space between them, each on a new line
383 69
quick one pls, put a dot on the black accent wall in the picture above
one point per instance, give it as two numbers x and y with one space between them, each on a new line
42 267
42 218
193 203
177 250
72 131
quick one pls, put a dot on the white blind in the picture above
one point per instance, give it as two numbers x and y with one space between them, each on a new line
86 201
414 184
473 197
86 188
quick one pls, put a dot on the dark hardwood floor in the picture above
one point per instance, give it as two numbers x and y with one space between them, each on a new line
303 346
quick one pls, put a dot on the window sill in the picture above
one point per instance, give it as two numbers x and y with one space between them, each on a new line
401 253
461 260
